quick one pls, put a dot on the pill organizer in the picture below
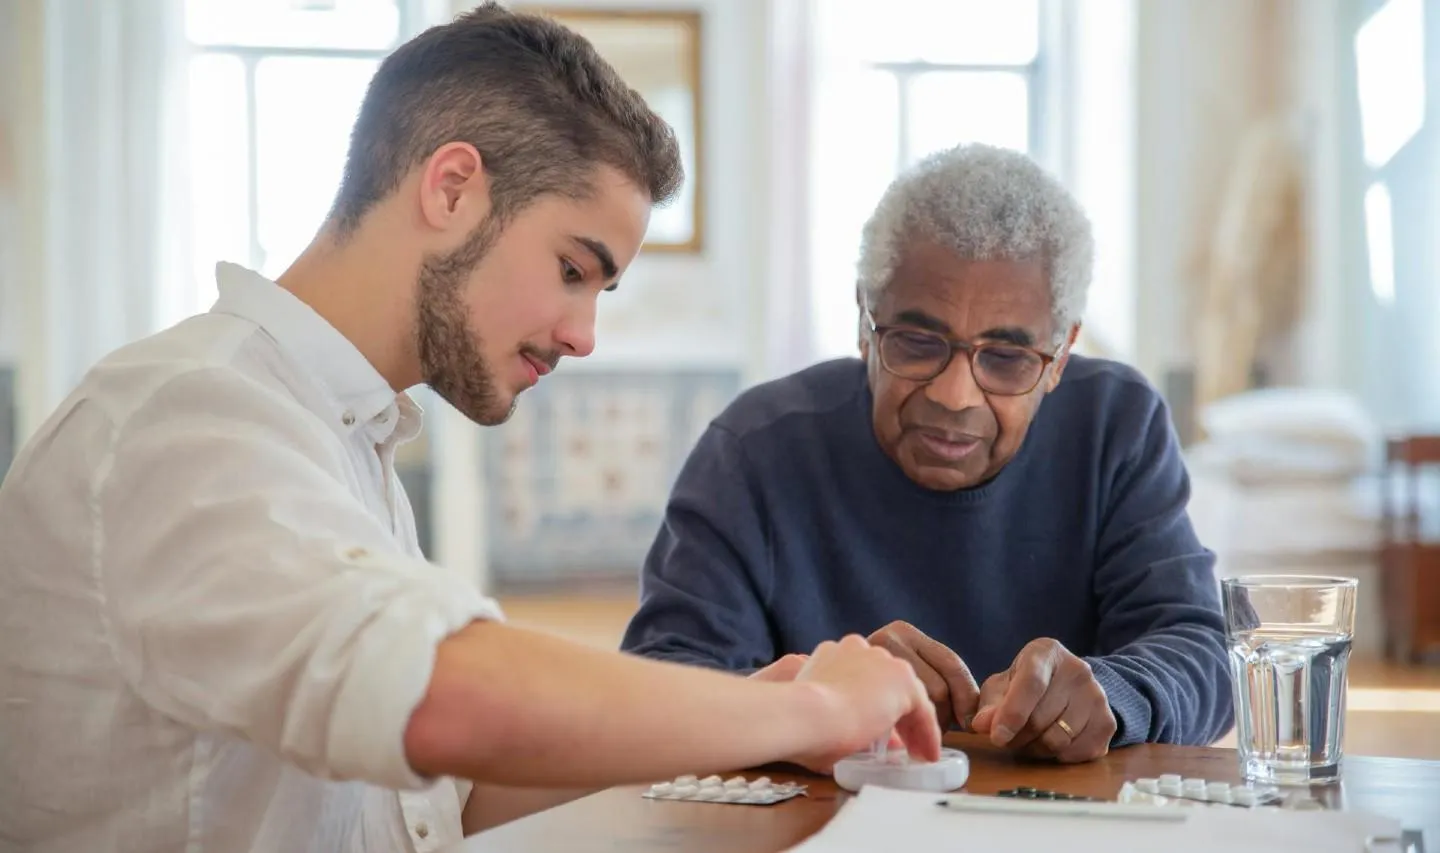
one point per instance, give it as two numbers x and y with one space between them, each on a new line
896 770
737 790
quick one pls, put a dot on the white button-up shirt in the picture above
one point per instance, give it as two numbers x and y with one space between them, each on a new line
215 619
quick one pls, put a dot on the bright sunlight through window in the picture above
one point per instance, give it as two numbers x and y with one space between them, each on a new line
1390 67
275 86
890 89
1380 237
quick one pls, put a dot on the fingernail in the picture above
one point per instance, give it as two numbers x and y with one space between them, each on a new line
1004 734
967 723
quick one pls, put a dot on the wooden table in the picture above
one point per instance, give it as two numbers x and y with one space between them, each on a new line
619 819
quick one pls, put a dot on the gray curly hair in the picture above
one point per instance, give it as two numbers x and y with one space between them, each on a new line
984 203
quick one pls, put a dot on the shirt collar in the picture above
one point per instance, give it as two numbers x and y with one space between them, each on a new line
361 398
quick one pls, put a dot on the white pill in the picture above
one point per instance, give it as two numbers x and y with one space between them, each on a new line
736 794
684 791
1171 789
1218 791
710 792
761 784
1170 779
686 780
736 782
711 780
1243 796
1148 786
662 788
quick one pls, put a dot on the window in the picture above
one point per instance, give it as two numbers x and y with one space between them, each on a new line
891 88
1390 78
275 86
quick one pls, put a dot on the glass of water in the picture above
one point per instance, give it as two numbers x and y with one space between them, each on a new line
1289 639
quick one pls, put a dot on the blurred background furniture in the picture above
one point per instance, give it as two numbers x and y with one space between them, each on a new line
1410 550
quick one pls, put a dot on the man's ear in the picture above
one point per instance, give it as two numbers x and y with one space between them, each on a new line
454 188
1059 366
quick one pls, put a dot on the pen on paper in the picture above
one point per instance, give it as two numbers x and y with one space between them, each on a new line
1106 811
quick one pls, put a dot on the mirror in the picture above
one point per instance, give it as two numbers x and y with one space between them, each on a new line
658 54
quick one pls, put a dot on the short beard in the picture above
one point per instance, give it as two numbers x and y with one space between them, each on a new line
451 362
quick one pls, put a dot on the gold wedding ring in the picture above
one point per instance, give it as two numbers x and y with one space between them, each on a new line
1065 727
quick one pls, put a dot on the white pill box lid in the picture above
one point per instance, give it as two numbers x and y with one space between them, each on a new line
896 770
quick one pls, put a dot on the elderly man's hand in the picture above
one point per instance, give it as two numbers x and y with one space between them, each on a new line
1047 705
946 678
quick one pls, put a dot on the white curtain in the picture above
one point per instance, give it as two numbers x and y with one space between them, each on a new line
789 343
99 144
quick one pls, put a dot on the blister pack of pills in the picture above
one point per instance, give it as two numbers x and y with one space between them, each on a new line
737 790
1028 793
1174 790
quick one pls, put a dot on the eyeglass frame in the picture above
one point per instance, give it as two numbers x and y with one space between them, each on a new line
970 348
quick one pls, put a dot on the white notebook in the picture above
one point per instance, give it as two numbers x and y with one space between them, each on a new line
881 819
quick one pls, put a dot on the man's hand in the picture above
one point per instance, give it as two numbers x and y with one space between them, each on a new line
784 669
1047 705
871 696
947 679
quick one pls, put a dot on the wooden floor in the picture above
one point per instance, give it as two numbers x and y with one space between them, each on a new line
1393 711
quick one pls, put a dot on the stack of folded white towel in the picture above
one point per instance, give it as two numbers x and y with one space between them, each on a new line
1287 481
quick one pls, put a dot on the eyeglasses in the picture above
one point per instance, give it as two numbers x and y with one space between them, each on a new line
1006 370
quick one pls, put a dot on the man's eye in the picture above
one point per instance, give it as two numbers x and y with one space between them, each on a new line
569 273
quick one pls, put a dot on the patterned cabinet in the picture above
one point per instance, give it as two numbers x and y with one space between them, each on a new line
577 480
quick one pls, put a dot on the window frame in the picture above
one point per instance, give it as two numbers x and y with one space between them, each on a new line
1033 73
414 15
1046 126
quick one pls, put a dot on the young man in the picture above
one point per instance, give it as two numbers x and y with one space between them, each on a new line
218 630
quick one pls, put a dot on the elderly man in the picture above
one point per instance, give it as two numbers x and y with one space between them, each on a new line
923 495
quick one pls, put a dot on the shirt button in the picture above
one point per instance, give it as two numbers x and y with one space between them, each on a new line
348 419
356 553
422 829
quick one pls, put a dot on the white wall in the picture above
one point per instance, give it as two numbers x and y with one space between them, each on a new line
1204 70
10 291
1196 76
28 262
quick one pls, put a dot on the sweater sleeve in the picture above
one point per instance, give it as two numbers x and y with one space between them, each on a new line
1162 662
704 582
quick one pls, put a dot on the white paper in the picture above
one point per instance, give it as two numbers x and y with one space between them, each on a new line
881 819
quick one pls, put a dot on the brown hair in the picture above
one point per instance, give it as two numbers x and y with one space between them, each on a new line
534 98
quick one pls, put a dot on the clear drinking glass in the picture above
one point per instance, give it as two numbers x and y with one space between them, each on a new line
1289 639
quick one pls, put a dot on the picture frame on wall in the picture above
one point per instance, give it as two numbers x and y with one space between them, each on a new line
658 53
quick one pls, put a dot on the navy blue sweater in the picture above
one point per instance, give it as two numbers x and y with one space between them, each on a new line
788 526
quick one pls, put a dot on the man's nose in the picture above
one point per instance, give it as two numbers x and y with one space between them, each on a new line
576 334
955 388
